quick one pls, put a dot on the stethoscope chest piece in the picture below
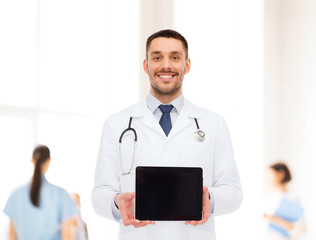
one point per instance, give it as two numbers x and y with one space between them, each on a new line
199 136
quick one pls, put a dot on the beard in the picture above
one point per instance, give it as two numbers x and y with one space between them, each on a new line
166 91
170 89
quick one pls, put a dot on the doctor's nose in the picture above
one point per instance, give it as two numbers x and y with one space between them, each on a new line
166 63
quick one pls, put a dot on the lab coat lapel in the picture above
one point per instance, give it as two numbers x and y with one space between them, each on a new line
141 110
182 121
152 123
186 116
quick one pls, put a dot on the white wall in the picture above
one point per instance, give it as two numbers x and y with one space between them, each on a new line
226 50
290 90
155 15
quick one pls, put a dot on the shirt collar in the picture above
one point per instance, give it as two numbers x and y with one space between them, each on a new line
44 178
153 103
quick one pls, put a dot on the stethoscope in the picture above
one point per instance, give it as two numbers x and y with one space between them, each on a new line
199 135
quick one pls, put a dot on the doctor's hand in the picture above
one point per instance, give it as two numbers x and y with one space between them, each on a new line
125 203
206 209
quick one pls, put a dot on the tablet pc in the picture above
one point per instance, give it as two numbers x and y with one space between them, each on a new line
168 193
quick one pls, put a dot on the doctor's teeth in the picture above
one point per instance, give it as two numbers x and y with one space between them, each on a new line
165 76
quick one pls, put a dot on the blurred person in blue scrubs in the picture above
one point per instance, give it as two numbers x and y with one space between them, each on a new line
284 214
39 210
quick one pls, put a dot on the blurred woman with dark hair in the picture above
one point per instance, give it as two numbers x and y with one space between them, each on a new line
285 216
40 210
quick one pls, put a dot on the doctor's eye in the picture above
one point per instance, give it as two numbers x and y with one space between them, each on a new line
175 58
156 58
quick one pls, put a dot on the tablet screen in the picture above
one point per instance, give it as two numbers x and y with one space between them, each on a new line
168 193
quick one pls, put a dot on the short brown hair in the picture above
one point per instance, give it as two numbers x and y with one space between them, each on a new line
168 33
282 167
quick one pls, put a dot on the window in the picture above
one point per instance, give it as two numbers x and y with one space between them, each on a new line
65 66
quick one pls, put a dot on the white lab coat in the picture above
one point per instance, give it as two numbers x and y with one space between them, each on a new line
180 148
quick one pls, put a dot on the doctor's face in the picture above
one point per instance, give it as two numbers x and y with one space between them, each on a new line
166 65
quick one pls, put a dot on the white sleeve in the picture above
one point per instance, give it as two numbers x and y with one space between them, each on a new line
107 181
116 212
226 188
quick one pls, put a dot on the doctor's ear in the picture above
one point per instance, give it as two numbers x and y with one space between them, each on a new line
145 65
187 66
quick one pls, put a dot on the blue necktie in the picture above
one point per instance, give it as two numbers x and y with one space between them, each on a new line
165 120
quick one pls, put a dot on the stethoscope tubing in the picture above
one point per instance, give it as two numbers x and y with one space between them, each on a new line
120 143
129 129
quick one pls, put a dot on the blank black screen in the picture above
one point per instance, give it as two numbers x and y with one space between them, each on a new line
168 193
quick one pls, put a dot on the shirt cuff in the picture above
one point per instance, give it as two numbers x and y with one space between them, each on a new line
115 211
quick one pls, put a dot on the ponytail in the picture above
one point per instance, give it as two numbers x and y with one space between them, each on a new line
40 155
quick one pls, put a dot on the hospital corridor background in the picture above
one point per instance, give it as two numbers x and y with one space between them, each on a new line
66 65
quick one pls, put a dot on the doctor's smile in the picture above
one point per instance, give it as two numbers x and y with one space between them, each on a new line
166 77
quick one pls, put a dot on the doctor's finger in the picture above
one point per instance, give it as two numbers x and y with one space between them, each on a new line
205 193
128 222
206 215
191 223
128 219
133 207
195 223
127 196
143 223
132 195
204 220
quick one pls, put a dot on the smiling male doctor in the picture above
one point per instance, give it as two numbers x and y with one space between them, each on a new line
165 125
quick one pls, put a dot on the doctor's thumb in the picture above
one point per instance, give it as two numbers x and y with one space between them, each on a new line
131 195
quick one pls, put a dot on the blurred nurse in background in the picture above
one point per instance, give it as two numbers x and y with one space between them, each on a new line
284 213
39 210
